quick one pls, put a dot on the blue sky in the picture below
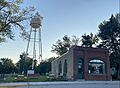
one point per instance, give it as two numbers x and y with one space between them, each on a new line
62 17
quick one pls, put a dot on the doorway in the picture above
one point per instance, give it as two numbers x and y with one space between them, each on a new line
80 68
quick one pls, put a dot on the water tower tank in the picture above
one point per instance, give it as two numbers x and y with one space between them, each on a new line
35 22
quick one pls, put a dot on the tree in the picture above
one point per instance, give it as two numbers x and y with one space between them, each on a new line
89 40
44 67
109 33
51 59
11 18
75 40
62 46
6 66
25 63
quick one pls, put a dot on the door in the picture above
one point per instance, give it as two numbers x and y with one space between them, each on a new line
80 67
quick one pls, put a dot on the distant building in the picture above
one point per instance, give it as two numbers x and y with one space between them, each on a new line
83 63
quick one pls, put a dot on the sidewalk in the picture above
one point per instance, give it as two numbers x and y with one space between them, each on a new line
19 84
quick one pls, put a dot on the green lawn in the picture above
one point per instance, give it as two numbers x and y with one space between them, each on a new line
25 79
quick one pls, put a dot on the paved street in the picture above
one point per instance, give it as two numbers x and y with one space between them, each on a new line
76 84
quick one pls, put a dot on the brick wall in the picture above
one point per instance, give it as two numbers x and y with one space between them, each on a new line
87 54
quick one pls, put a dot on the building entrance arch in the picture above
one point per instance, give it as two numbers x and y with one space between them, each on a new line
80 68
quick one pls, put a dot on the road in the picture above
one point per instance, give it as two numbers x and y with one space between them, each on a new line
75 84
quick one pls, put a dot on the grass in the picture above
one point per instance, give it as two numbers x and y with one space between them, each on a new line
39 79
11 86
25 79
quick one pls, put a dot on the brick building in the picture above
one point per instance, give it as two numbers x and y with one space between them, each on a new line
83 63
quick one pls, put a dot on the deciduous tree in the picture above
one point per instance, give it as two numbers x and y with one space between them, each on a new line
25 63
44 67
11 18
62 46
6 66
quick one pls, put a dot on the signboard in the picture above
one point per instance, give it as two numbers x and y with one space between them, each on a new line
30 72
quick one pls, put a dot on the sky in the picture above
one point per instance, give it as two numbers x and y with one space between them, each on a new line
62 17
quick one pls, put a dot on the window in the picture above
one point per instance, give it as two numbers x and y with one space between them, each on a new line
60 68
96 67
65 67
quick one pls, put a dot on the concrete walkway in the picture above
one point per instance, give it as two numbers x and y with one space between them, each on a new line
70 84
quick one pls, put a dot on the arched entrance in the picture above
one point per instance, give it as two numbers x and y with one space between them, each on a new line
80 68
96 67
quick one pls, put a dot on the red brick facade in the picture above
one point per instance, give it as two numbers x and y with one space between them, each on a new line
88 54
83 63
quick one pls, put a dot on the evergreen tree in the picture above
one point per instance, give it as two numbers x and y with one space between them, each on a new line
109 34
89 40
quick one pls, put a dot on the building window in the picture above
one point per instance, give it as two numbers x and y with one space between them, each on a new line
60 68
96 67
65 68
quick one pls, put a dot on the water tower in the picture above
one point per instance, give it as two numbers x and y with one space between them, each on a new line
34 40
